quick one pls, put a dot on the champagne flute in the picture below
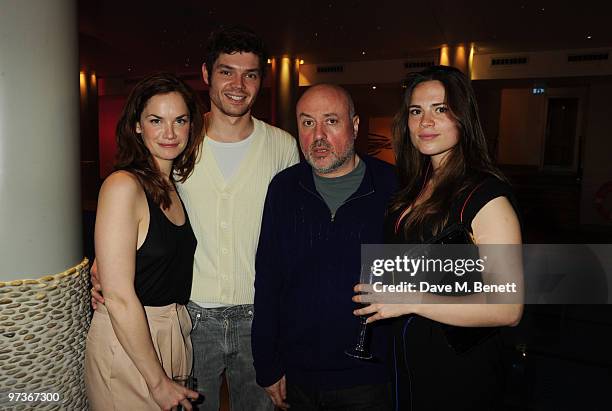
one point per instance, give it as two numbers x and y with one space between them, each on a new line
186 381
361 350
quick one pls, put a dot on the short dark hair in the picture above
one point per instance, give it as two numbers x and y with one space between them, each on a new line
235 39
132 153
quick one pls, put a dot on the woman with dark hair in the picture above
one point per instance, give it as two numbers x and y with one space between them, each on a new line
447 352
139 339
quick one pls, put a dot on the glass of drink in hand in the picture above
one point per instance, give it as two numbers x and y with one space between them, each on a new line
361 350
189 382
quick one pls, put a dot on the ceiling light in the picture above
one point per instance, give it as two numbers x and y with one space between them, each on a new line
363 53
589 37
373 87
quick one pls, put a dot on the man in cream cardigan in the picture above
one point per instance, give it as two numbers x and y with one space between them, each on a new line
224 198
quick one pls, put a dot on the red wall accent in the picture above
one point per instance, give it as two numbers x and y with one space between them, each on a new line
109 110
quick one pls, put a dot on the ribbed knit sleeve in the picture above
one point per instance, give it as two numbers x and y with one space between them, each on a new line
271 269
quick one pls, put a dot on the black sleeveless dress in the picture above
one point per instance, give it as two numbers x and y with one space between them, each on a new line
164 262
162 281
440 367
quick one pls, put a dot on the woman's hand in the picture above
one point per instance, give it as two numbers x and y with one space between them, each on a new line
121 207
168 394
393 305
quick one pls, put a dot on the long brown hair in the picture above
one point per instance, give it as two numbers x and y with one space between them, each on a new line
133 155
466 163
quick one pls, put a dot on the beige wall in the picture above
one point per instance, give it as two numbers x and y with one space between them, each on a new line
359 72
522 124
521 137
541 64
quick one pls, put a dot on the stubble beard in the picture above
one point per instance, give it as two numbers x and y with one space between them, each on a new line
232 111
229 110
339 161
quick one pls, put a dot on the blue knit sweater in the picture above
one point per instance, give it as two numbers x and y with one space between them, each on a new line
307 264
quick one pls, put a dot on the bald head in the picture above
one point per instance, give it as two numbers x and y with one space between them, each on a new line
324 87
327 127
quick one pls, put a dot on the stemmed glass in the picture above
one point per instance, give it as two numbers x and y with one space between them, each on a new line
189 382
361 350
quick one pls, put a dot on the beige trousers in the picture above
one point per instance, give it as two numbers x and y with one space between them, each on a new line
112 380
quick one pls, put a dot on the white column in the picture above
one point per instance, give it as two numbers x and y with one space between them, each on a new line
40 210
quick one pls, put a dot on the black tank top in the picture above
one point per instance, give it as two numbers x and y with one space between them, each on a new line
164 262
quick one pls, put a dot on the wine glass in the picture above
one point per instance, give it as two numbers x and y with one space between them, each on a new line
361 350
186 381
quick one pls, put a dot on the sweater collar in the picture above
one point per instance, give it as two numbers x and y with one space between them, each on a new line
306 180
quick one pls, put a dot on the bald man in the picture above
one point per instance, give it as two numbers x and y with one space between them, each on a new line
316 216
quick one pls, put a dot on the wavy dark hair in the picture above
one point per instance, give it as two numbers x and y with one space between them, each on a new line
134 156
235 39
462 169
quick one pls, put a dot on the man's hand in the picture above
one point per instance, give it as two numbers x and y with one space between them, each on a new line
96 289
278 393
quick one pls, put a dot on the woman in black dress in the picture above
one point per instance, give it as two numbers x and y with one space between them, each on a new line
447 352
139 338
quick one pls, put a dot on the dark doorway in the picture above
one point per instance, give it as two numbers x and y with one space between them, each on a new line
560 139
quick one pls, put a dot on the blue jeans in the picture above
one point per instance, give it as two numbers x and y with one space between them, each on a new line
221 339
